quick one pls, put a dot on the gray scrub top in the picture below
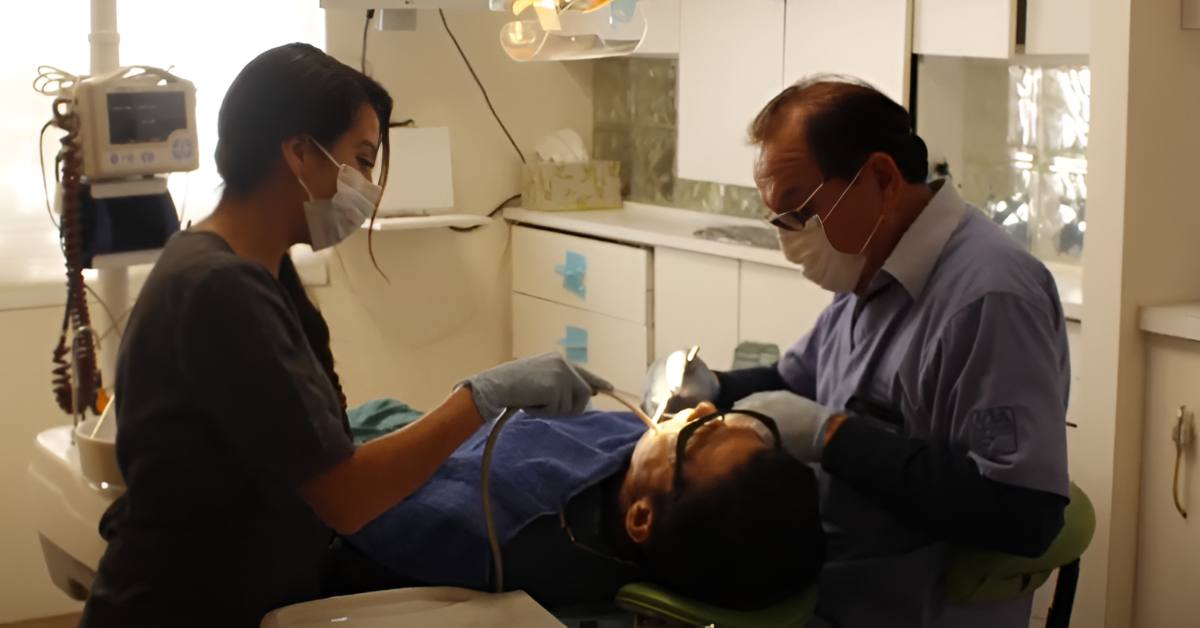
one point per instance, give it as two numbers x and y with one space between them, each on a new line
978 361
223 411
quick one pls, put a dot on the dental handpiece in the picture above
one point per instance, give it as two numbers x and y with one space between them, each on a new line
485 492
652 424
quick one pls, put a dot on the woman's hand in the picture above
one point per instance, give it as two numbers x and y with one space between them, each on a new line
544 385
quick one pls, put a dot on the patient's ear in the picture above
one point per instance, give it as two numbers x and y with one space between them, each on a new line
639 518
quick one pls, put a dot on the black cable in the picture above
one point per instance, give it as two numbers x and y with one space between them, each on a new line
366 27
491 214
501 206
116 322
482 89
403 123
42 163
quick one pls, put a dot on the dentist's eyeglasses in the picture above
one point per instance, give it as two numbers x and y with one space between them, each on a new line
796 219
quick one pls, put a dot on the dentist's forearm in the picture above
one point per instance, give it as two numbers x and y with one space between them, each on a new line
941 491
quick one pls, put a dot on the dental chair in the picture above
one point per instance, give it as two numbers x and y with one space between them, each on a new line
972 576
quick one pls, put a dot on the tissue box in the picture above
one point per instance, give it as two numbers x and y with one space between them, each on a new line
571 187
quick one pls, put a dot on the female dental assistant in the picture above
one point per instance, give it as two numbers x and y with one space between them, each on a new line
232 438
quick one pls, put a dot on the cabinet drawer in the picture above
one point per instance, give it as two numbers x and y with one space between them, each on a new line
612 348
601 277
778 305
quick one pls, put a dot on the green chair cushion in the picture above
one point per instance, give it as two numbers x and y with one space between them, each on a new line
651 599
982 576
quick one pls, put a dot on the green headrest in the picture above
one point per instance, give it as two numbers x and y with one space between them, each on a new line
646 598
981 576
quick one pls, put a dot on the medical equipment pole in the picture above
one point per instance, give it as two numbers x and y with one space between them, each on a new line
112 284
104 38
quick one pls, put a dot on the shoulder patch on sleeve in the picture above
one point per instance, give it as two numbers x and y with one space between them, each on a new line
993 432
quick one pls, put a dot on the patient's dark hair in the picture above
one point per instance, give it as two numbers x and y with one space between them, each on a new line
285 92
747 541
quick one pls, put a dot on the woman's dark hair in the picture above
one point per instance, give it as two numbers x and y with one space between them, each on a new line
289 91
845 121
745 542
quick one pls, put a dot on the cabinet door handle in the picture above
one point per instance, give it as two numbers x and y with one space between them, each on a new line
1181 434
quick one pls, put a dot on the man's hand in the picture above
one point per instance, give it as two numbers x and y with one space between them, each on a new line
805 425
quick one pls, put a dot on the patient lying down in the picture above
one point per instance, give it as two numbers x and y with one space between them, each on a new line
585 505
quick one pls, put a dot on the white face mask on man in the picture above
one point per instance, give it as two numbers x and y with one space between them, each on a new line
821 262
332 220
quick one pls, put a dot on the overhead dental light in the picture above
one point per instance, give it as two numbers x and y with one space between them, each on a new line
545 30
564 31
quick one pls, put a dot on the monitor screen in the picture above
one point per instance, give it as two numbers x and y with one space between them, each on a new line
145 117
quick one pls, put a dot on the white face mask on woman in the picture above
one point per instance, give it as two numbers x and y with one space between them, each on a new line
821 263
332 220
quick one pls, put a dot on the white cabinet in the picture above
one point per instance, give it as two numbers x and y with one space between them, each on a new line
777 305
867 39
637 304
965 28
603 277
586 298
1168 546
989 28
730 65
615 349
1058 27
696 302
662 28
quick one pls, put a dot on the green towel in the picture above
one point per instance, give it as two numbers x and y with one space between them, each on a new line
379 418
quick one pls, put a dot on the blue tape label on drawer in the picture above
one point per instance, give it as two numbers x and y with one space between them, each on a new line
576 345
574 271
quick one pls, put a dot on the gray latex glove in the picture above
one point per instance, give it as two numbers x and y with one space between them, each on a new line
801 421
544 385
699 384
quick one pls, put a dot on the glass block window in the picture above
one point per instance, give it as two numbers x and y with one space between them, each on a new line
1039 196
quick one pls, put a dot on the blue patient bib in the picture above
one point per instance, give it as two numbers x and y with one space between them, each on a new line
438 536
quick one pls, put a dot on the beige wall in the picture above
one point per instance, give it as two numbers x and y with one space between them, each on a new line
26 338
1141 250
445 313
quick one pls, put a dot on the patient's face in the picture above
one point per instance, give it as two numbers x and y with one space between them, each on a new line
712 452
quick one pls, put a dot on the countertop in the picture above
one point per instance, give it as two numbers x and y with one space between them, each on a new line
1181 320
652 225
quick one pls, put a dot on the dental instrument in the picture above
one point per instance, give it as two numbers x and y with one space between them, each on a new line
650 423
672 382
